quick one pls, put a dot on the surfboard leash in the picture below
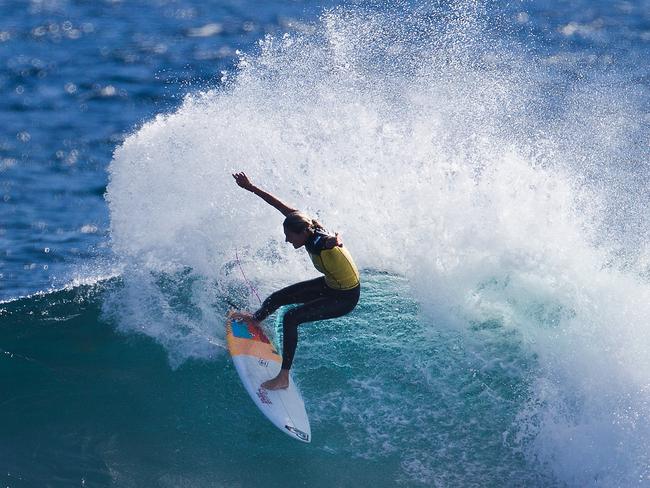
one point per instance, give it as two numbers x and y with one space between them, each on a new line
241 269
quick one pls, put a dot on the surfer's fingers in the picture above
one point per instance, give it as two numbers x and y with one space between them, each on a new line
241 179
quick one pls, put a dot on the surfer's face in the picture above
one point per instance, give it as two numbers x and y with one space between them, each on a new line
298 239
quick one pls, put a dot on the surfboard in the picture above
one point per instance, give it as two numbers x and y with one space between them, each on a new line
256 361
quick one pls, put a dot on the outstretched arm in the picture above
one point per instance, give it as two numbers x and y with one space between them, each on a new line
243 181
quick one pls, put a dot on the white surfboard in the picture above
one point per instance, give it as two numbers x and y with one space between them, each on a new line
256 361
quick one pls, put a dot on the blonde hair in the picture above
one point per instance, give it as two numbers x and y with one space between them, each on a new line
298 222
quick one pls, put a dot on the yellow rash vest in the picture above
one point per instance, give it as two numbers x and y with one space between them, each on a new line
335 263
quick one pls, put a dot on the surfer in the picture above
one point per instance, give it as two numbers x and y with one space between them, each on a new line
329 296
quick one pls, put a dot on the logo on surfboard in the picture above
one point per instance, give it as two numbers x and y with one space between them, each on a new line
264 398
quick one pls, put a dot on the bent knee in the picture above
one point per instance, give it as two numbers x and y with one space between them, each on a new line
291 318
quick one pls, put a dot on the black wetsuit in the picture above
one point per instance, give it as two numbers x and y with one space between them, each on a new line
327 297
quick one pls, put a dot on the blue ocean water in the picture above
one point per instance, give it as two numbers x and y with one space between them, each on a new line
486 164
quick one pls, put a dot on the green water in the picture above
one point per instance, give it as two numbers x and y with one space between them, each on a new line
392 401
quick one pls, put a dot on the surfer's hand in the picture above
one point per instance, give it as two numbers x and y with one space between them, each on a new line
243 181
334 241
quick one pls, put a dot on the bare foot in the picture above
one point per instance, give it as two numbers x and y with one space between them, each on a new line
280 382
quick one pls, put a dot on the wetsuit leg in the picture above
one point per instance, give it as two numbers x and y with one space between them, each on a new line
302 292
334 304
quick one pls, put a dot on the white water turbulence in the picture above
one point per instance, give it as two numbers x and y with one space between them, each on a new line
472 168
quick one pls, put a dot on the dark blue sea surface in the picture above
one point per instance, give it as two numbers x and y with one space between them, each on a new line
76 78
486 163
